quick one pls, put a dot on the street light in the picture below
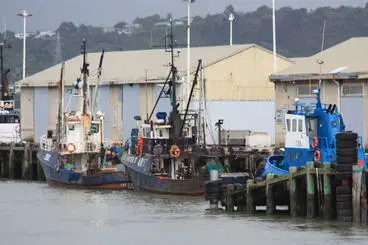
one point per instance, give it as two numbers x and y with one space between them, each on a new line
231 19
218 124
188 47
24 14
274 35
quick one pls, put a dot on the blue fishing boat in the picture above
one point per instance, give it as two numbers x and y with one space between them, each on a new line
76 156
311 130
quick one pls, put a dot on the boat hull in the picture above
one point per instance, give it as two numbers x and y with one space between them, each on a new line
77 179
142 180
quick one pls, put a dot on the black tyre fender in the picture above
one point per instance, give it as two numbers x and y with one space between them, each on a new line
344 198
343 190
344 167
344 205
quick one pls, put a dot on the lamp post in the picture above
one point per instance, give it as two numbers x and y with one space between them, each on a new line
24 14
274 35
218 124
188 45
231 19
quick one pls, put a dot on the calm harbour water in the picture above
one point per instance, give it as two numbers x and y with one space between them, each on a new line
34 213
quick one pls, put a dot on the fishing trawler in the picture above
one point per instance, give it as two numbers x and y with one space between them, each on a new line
76 157
163 154
311 131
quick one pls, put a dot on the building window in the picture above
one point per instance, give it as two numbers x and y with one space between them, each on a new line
294 125
300 125
306 89
352 90
288 124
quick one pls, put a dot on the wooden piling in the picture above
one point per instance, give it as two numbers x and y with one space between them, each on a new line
270 196
25 167
311 193
251 207
2 166
229 203
293 206
327 193
363 200
356 188
11 161
39 170
31 177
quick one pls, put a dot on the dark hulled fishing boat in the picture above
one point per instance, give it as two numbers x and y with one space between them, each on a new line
76 157
163 155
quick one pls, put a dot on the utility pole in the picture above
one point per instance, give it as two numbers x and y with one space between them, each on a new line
25 15
274 35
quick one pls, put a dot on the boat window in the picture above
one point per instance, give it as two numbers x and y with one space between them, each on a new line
160 133
290 156
294 125
312 127
296 156
71 127
300 125
9 119
288 124
95 128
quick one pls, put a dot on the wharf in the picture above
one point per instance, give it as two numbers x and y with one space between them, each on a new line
309 192
19 161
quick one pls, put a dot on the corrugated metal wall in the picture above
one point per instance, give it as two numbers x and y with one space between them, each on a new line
103 104
352 109
130 108
164 103
40 111
257 116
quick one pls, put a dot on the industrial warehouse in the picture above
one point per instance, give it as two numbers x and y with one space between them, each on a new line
236 77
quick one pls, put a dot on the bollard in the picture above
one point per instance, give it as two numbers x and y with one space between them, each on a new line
293 206
327 193
311 193
251 207
270 197
356 188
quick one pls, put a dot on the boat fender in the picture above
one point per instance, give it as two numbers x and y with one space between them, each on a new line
317 156
174 151
314 142
70 147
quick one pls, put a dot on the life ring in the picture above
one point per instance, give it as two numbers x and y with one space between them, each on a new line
317 156
314 142
174 151
70 147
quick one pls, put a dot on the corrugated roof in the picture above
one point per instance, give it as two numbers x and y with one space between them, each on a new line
348 57
123 67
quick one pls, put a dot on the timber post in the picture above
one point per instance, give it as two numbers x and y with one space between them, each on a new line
229 198
327 193
25 167
363 199
293 202
11 161
251 207
311 191
270 196
356 189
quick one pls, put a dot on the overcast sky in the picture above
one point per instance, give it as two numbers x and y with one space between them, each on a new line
48 14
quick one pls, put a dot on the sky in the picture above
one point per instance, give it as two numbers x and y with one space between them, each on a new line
49 14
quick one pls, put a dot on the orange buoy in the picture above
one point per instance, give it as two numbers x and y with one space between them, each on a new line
314 142
317 156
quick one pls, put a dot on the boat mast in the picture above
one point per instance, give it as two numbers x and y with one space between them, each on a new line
85 73
94 98
61 105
